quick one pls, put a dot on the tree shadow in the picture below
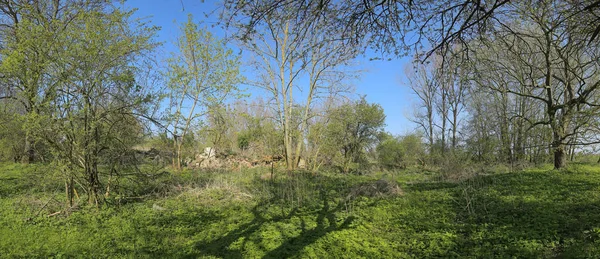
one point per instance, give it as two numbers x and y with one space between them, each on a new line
530 215
306 237
430 186
220 246
326 223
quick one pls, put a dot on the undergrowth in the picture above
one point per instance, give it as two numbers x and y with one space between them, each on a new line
415 213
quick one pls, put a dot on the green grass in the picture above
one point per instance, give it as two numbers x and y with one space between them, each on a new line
536 213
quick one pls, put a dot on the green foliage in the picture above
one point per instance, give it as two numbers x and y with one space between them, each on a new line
352 130
199 76
400 152
12 136
537 213
259 136
74 68
244 139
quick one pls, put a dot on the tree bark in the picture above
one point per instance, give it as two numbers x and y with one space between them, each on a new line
559 156
29 157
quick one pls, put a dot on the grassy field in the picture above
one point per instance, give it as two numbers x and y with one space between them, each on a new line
535 213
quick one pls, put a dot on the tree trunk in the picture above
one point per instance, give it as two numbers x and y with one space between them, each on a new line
559 156
69 192
430 122
443 147
29 151
454 130
178 162
289 158
93 184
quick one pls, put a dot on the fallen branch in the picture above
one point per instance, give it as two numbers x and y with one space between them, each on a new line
55 213
38 213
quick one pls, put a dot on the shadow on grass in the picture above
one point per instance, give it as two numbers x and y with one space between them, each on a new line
529 215
431 186
326 222
292 246
220 246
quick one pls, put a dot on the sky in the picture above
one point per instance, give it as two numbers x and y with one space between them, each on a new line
382 82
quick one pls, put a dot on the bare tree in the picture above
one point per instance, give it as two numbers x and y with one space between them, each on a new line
547 59
424 82
288 49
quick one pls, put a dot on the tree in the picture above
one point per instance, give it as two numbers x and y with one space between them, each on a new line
96 112
73 66
288 50
400 152
34 33
546 59
441 94
390 153
401 26
12 132
200 76
424 82
353 128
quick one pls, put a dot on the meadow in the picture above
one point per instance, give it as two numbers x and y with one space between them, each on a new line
412 213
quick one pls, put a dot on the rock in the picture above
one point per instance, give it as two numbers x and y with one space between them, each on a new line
157 208
209 152
302 163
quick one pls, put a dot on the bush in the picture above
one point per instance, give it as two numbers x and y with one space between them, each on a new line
400 152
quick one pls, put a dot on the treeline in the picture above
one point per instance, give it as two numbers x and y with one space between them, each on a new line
81 86
524 91
82 90
347 137
516 81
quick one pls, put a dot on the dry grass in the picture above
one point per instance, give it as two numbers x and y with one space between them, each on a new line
379 188
215 191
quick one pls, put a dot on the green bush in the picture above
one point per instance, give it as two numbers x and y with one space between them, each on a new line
400 152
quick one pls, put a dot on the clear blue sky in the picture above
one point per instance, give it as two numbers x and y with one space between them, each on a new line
383 82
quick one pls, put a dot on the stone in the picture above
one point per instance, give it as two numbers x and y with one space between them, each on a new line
209 152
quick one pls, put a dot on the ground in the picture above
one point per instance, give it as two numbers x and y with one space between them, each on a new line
532 213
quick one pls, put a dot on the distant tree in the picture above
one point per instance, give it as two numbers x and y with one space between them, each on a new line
12 133
285 50
390 153
424 82
400 152
353 129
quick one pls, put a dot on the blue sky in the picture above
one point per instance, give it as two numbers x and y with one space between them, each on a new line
382 82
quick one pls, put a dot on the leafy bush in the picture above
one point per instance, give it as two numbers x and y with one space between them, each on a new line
400 152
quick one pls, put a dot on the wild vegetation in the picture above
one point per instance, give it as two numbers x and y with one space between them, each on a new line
105 152
536 212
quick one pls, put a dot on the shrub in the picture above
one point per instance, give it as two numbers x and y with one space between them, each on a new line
400 152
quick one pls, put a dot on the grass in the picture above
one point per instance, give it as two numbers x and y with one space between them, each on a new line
535 213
